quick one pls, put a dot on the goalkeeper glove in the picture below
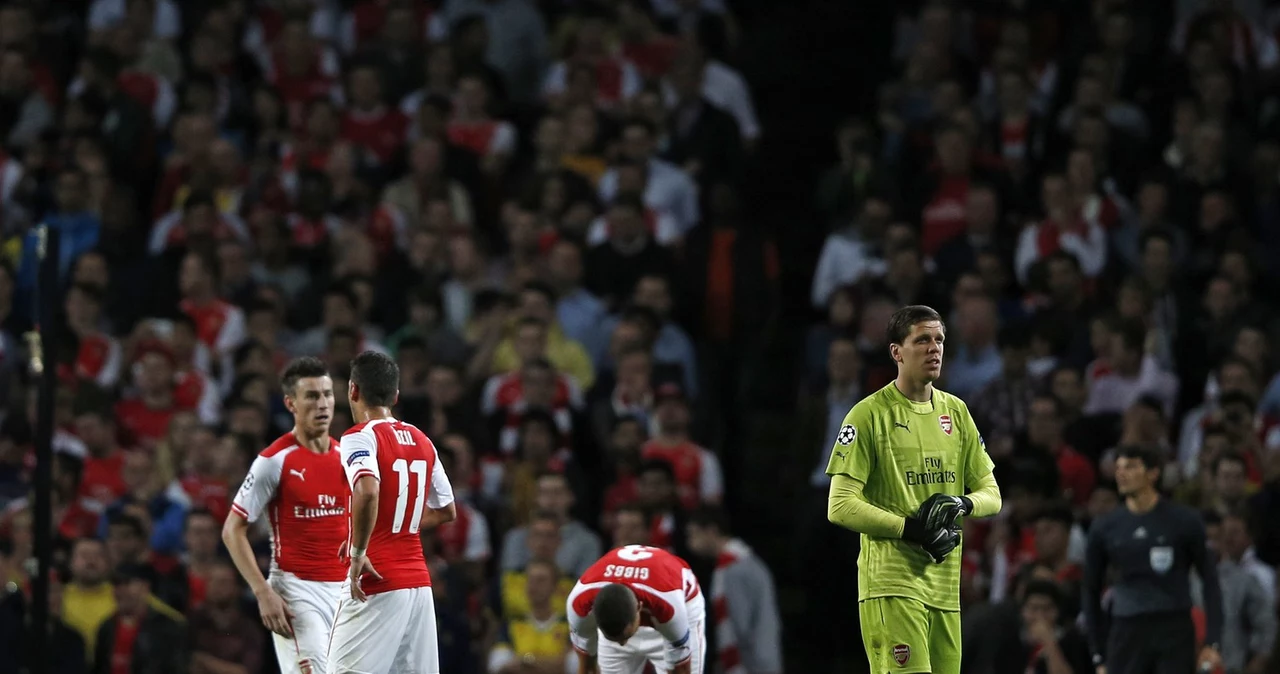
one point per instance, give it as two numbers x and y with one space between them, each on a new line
938 542
942 511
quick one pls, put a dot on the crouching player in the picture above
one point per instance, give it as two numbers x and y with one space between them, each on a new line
647 605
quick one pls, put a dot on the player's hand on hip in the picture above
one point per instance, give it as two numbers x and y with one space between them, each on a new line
360 566
276 615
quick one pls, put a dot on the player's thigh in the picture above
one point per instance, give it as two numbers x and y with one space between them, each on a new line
419 652
644 647
944 642
697 650
309 645
314 606
366 635
895 632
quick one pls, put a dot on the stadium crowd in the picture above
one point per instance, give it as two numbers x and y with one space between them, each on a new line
541 210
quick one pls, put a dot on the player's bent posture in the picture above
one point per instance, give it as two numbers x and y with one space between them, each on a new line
647 605
398 487
298 481
899 470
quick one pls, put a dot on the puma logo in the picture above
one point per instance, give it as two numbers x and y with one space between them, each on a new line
300 473
840 454
902 426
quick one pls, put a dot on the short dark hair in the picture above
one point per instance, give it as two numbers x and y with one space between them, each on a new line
1057 512
198 512
133 524
660 466
710 516
377 377
615 609
907 317
301 368
1043 588
129 572
1150 460
540 288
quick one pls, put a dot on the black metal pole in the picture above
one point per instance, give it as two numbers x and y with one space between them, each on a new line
46 302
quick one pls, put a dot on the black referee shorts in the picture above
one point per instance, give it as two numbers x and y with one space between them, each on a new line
1153 643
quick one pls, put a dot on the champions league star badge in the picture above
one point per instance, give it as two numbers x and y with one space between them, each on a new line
847 434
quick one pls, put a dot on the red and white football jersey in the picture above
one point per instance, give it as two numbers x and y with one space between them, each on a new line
662 582
411 479
219 325
306 497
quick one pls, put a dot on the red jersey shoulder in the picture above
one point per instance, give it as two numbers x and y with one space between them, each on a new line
282 443
356 429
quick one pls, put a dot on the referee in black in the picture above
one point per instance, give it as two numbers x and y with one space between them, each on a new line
1148 548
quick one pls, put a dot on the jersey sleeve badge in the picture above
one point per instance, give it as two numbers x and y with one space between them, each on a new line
847 434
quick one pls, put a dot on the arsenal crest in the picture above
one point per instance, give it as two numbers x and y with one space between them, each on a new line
945 422
901 654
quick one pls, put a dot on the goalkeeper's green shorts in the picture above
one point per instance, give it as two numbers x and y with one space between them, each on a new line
903 636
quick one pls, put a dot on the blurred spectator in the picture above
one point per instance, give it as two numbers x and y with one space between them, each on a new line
976 361
542 543
748 630
222 636
1128 373
137 638
1248 613
579 547
87 599
538 640
697 471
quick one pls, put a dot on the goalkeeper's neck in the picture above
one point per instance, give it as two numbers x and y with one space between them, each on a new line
920 391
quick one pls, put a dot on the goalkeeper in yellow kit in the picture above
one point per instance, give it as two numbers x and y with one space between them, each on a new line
903 461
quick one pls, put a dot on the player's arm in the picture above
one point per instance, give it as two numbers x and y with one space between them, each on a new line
582 632
983 499
359 454
440 505
258 489
852 460
672 622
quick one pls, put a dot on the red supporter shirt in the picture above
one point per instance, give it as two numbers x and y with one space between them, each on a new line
381 132
207 493
663 584
410 480
697 477
219 325
142 425
944 215
122 649
101 481
1076 475
306 497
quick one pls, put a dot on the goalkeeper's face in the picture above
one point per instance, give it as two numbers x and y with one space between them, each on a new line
919 356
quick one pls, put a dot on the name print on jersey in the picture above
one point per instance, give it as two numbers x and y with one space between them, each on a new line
619 571
327 506
934 473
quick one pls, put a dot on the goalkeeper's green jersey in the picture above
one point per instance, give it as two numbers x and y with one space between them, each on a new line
905 451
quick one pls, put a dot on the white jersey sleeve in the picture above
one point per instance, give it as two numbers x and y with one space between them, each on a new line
441 491
582 626
359 453
259 487
672 622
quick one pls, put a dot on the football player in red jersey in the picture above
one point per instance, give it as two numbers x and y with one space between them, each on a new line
647 605
299 482
398 487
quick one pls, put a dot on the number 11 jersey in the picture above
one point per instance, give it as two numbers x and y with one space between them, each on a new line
410 480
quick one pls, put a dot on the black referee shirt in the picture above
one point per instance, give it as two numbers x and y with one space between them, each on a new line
1149 557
